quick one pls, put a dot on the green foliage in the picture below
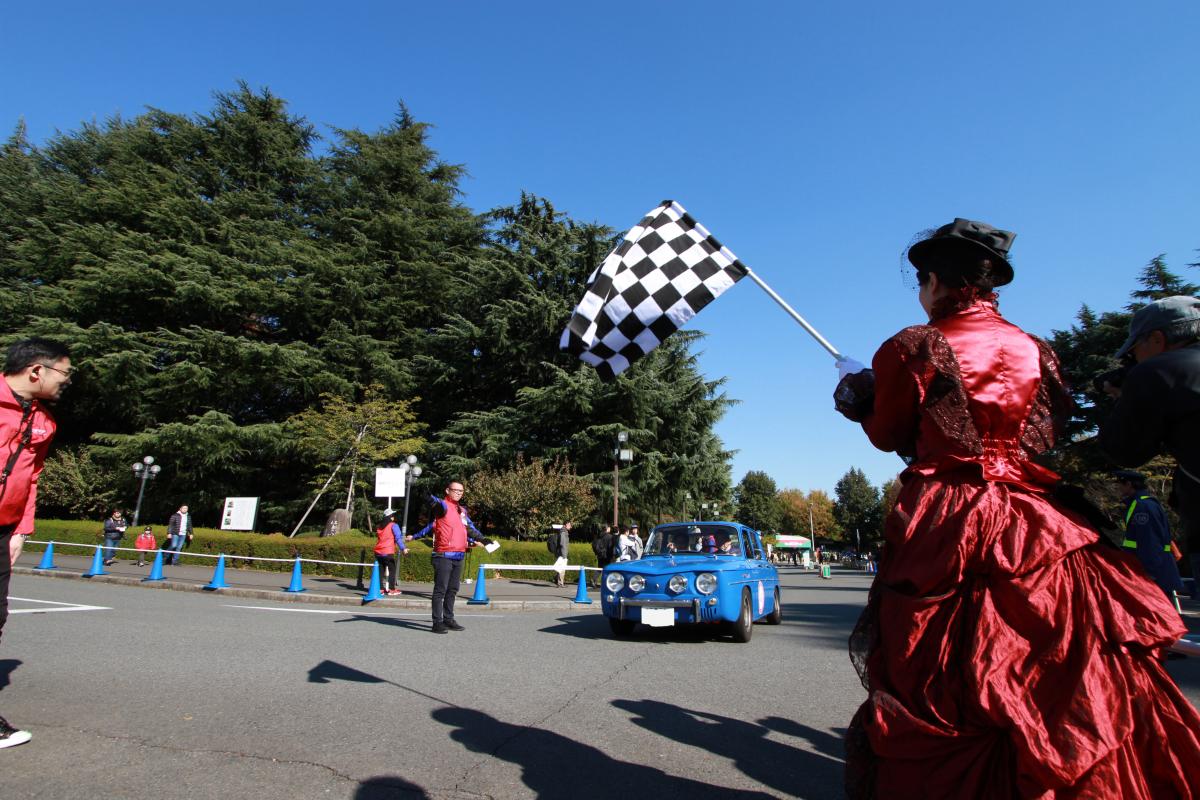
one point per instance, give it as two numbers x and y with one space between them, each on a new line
219 274
350 547
857 507
757 503
527 498
73 483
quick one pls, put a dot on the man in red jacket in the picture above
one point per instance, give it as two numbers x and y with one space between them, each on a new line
35 373
453 534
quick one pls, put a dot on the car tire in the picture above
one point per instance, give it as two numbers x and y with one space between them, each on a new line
743 628
621 628
776 616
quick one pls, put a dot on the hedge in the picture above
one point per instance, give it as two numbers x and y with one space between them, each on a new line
350 546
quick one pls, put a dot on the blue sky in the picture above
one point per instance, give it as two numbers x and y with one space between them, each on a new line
813 139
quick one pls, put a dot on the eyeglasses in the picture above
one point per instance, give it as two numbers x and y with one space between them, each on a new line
456 491
66 373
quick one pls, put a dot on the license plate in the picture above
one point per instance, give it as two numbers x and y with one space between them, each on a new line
658 617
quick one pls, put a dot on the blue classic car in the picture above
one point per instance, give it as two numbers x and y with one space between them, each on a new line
694 573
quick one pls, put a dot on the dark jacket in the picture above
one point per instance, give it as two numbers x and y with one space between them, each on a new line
115 528
1148 534
174 523
1159 411
603 546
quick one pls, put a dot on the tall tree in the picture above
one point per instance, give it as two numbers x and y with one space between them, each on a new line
757 502
857 506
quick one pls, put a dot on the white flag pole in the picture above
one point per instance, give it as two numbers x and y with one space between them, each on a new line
792 312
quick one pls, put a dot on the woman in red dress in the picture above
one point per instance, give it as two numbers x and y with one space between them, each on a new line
1006 651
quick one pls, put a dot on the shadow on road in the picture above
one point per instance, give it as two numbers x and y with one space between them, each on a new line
389 787
398 622
781 766
7 667
555 767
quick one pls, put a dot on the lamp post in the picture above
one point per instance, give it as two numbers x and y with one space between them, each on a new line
687 496
412 471
621 453
145 469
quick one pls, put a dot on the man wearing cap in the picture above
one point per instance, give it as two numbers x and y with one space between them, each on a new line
1158 405
1146 531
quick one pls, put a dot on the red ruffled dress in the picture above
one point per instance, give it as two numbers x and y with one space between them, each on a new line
1006 652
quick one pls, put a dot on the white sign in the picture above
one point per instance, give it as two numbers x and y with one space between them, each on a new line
240 514
389 481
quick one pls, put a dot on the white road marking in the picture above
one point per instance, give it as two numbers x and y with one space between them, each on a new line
67 606
420 615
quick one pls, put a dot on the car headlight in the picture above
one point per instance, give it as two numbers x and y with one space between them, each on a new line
615 581
636 583
677 584
706 583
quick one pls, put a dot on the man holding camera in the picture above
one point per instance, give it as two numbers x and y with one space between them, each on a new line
1158 405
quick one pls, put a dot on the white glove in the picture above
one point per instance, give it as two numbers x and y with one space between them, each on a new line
848 366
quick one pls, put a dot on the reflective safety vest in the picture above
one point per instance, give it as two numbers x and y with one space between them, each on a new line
1130 543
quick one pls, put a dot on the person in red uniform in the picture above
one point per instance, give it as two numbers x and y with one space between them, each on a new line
1005 650
450 526
389 540
35 373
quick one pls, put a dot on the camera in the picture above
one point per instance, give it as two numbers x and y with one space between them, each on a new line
1114 377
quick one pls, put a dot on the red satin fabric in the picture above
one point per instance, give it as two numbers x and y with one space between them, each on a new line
1006 653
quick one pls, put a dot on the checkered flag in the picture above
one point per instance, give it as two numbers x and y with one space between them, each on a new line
667 268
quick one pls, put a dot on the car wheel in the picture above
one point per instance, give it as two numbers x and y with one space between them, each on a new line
776 616
621 627
744 627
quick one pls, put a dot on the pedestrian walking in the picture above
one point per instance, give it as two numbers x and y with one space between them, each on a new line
604 547
561 541
36 371
114 530
1006 651
179 530
389 544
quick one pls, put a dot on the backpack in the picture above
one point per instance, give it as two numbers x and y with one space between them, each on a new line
552 543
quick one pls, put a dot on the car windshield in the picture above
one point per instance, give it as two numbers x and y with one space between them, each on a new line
702 539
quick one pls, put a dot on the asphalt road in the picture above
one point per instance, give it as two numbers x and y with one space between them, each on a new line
165 694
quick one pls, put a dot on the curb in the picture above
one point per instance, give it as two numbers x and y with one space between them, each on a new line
306 597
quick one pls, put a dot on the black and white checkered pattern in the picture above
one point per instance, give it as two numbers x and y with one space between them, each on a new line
667 268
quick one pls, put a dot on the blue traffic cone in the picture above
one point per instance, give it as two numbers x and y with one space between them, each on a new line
480 597
581 595
155 569
97 565
297 580
47 561
218 580
373 592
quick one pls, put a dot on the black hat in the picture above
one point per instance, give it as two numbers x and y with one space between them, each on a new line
965 239
1136 478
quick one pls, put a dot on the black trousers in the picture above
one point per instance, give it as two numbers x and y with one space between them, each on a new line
447 574
387 568
5 572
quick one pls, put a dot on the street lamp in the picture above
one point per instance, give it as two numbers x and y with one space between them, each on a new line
411 471
145 469
687 497
622 453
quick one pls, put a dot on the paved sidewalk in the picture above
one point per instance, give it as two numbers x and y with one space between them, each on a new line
504 594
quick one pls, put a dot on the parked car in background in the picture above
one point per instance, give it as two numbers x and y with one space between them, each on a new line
695 573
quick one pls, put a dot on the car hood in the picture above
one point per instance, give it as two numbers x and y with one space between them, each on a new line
662 565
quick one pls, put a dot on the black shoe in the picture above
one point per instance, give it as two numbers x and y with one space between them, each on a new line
439 628
454 626
10 736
